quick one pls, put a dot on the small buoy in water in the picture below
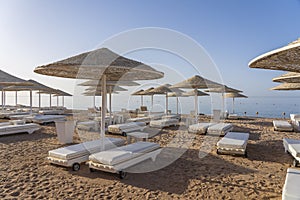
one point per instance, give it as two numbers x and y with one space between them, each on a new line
256 113
283 113
245 113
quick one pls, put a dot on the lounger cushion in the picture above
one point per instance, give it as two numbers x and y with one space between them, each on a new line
199 127
291 186
163 122
123 153
219 128
295 117
282 125
85 148
120 127
234 140
293 146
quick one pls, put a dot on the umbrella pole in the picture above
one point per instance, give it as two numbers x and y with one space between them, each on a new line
103 110
57 101
177 105
94 101
63 101
151 102
50 100
110 112
16 98
30 94
166 103
2 99
142 100
233 105
196 106
39 100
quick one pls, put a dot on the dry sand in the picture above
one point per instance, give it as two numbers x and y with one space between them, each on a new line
26 174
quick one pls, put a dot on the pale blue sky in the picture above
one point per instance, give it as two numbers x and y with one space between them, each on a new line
35 32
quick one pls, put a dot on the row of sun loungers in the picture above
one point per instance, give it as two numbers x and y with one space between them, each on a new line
292 146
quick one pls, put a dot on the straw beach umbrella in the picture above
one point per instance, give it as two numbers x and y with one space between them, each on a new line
148 92
177 94
163 90
223 89
60 93
192 93
286 58
101 64
138 93
287 86
7 80
233 96
111 89
97 83
290 77
196 82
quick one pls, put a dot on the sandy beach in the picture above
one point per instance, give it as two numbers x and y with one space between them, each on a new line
26 174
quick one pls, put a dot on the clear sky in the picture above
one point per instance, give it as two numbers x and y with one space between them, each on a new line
35 32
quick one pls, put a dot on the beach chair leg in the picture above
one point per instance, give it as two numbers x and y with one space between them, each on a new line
295 163
122 174
76 166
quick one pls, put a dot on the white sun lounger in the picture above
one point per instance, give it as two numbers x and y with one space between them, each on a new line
13 127
199 128
290 189
72 156
119 159
280 125
126 127
42 119
293 147
162 123
219 129
88 125
233 143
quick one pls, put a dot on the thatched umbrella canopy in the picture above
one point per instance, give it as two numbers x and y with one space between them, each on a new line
93 64
290 77
196 82
233 96
97 83
223 89
287 86
108 88
101 64
97 93
60 93
286 58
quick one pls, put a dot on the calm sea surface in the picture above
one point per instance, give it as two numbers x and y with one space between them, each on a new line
273 107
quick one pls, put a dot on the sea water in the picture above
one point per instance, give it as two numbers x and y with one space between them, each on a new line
257 106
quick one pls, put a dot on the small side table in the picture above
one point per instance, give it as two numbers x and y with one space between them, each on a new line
137 136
